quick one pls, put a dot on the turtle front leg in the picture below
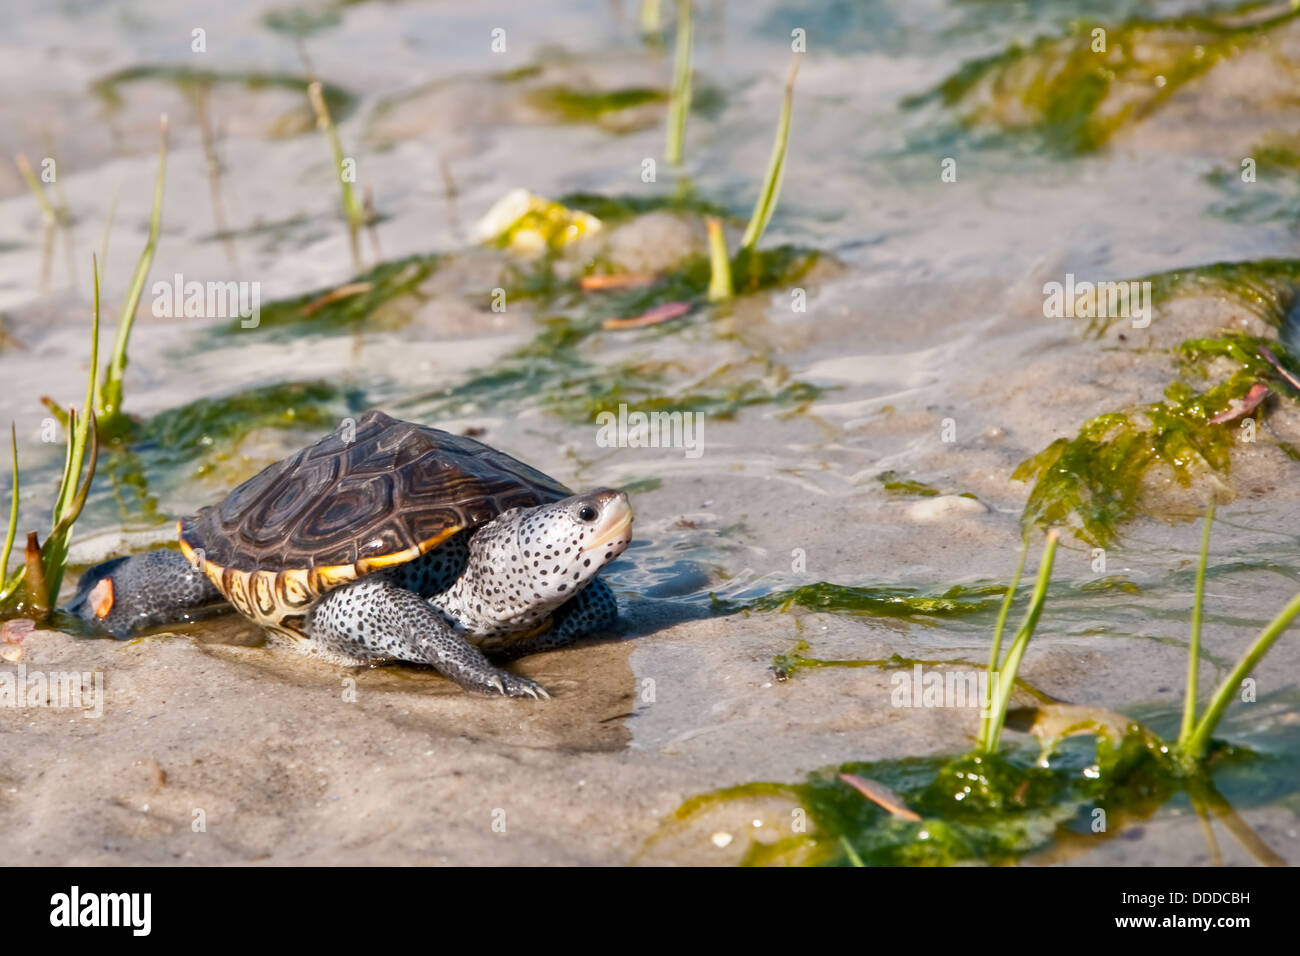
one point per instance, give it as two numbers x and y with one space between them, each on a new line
373 619
590 611
127 595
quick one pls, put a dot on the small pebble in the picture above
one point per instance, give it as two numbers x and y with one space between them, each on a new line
944 506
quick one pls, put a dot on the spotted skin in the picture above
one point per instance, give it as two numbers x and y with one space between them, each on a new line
525 581
127 595
520 582
375 620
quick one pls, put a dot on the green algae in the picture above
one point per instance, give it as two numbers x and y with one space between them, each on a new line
574 388
1266 287
210 425
752 270
789 663
619 208
342 308
189 80
882 602
1002 808
1273 192
579 106
1092 483
900 487
998 806
301 21
1076 91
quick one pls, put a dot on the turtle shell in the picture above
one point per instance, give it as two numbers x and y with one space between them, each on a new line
362 498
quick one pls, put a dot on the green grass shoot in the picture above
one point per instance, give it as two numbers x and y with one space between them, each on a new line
720 287
9 583
991 727
766 203
52 215
1194 644
1194 739
82 436
109 404
651 17
996 652
353 211
43 570
679 103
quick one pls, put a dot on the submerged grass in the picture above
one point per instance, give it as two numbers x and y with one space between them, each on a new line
1076 91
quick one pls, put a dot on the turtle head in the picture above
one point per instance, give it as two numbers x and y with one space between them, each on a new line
529 561
563 545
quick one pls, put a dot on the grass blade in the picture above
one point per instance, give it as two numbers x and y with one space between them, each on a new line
766 203
679 104
352 208
83 432
720 287
29 177
1007 672
6 589
996 651
110 393
1193 748
1194 643
650 20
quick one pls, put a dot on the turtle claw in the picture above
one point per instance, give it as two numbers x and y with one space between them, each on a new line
509 685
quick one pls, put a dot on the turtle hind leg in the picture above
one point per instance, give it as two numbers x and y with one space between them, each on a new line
127 595
375 619
590 611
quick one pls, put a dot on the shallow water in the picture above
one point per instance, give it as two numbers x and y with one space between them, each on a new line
925 305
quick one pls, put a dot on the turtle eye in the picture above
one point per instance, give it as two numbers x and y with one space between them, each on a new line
587 513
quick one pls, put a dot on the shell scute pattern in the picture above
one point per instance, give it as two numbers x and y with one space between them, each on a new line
342 508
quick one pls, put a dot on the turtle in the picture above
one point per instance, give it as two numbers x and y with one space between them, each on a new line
386 541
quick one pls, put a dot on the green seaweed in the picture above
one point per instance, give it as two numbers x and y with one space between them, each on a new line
300 22
789 663
900 487
1092 483
195 432
188 79
550 372
580 106
882 602
320 312
1075 96
1273 195
1267 287
612 209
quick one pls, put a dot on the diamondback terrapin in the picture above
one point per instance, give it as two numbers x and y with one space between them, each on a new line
387 541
